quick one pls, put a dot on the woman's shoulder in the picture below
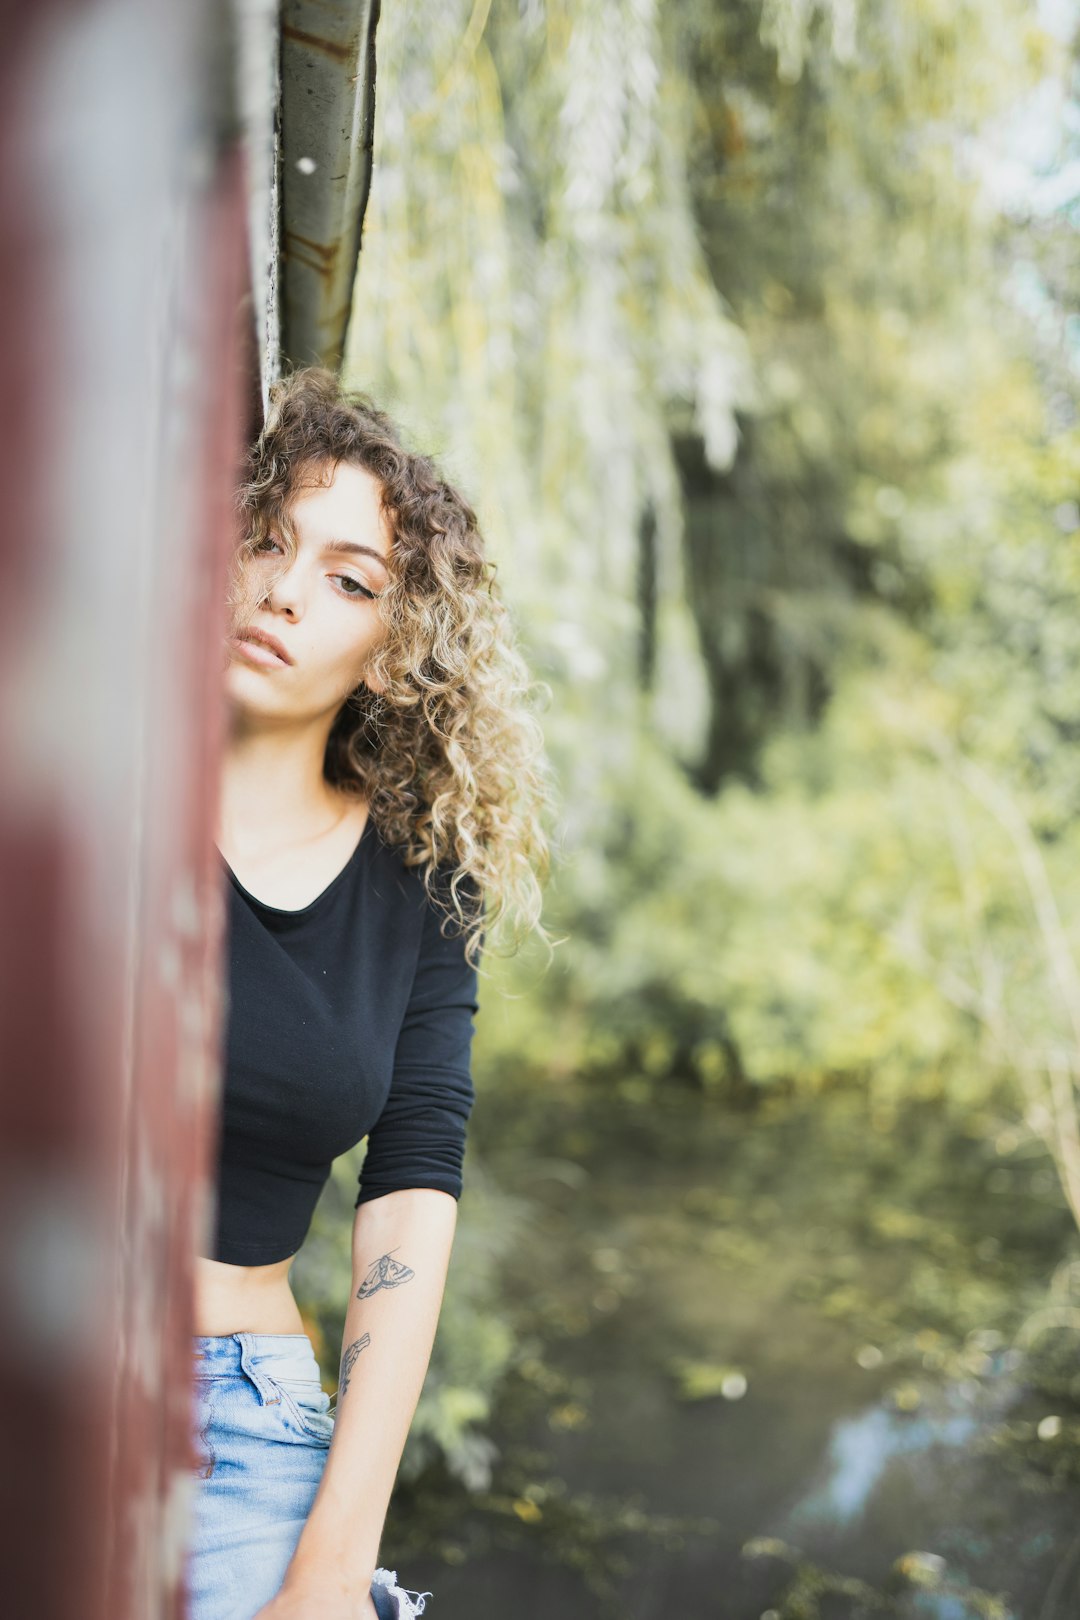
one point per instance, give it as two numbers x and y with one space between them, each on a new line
418 883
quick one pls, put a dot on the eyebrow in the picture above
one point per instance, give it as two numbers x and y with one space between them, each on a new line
352 546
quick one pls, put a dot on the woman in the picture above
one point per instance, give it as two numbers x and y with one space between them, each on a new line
382 798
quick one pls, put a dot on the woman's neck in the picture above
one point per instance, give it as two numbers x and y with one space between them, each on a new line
273 790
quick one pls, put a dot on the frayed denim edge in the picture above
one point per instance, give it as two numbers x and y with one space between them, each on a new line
409 1604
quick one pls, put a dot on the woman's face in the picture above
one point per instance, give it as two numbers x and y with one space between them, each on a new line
323 610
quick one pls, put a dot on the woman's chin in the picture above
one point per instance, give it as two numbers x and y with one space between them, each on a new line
244 691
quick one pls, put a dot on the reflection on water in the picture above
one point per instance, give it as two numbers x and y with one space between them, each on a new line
859 1292
861 1449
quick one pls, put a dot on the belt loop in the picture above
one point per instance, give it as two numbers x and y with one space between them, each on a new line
268 1395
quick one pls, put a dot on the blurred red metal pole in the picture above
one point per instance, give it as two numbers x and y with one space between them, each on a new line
126 394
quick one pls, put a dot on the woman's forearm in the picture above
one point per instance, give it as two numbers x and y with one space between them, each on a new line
401 1251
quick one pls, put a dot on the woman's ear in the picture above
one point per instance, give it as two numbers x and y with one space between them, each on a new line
373 682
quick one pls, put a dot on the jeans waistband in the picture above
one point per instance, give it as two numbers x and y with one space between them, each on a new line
280 1353
224 1351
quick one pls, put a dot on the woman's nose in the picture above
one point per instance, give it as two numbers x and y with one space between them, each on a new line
286 593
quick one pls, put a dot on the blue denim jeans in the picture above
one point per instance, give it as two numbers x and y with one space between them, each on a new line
262 1426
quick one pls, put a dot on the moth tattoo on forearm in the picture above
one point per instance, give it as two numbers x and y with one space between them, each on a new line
385 1273
348 1362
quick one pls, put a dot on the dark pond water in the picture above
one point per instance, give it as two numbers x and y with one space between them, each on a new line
769 1354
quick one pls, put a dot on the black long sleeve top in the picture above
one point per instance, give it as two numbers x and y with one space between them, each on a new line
350 1017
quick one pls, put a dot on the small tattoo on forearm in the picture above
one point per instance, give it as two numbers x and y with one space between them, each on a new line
385 1273
348 1362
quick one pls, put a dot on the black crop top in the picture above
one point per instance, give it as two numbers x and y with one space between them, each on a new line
351 1017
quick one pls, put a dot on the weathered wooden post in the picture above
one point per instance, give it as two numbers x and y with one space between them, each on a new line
181 196
126 385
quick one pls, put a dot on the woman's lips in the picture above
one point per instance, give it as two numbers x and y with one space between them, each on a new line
257 652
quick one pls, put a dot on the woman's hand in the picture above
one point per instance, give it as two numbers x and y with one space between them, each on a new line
299 1603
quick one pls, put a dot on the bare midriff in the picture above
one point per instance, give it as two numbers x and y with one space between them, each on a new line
244 1299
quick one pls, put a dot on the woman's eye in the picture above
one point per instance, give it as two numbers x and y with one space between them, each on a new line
360 590
349 586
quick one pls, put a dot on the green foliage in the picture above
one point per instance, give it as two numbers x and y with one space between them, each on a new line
559 193
812 1590
749 940
475 1346
533 298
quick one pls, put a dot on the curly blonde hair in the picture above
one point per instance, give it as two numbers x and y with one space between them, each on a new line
450 755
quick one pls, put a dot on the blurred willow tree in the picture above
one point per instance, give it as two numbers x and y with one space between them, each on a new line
707 308
533 297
